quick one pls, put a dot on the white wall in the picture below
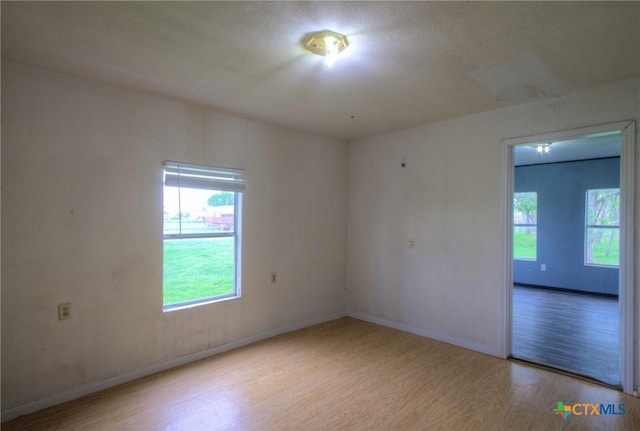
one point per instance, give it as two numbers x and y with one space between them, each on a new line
82 223
450 199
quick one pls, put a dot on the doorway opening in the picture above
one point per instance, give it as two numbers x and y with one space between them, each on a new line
569 294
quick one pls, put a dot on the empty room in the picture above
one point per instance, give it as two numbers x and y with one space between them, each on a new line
320 215
567 254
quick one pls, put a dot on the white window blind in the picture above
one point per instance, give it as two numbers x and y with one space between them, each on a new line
178 174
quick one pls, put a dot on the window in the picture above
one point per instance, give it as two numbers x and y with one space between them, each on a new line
602 228
202 233
525 225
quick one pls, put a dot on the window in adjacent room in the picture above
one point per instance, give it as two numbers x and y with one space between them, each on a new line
525 225
202 234
602 232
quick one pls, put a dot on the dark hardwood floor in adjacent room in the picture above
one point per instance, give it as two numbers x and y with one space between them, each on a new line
570 331
342 375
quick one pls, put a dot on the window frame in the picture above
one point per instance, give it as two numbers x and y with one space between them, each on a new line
588 226
214 179
516 225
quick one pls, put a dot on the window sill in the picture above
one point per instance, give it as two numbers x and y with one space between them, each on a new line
177 307
602 265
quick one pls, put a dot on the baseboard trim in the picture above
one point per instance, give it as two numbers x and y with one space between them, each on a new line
565 290
90 388
459 342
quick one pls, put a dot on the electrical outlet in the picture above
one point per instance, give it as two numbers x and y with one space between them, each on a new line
64 311
274 277
412 243
543 267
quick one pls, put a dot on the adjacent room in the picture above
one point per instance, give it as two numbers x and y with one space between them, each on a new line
566 252
320 215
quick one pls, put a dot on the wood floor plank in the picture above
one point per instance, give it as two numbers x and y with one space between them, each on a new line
341 375
571 331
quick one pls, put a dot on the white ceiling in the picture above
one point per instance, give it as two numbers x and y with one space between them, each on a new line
597 146
408 63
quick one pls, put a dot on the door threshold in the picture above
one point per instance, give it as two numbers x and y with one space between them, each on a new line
562 371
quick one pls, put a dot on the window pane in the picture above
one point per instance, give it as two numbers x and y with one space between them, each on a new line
220 210
603 207
525 218
525 208
525 242
603 246
197 211
198 268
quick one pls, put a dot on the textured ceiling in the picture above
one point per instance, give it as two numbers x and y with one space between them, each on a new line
409 63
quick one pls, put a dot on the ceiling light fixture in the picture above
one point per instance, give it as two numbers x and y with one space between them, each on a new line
542 148
327 44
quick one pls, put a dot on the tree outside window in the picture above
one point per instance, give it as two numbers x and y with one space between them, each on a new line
525 225
602 233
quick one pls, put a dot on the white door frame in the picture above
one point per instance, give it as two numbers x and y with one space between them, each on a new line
627 286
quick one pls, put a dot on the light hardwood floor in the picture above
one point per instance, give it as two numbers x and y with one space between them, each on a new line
342 375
